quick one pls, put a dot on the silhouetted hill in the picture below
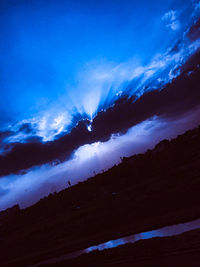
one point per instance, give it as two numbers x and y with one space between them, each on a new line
144 192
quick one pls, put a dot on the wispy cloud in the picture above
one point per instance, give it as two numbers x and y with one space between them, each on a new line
171 20
197 6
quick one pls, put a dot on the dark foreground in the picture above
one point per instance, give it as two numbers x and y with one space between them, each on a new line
182 250
144 192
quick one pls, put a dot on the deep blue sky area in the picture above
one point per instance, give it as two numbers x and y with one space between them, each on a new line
46 44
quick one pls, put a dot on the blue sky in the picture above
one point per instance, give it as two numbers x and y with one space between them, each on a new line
50 49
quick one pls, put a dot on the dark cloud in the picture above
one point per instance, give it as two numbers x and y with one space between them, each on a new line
181 95
194 32
4 146
26 128
4 134
176 98
34 139
177 46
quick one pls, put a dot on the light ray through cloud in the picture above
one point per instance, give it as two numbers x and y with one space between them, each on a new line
100 79
101 87
89 160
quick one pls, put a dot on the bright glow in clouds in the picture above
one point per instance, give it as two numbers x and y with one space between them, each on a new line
99 83
47 125
53 124
60 63
100 86
28 188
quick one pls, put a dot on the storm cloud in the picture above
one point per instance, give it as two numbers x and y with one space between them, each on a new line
176 98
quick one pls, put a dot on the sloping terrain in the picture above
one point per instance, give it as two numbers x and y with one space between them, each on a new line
182 250
144 192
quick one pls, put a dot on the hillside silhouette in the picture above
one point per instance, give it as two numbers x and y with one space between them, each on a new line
144 192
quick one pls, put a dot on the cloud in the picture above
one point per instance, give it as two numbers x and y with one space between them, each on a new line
171 20
24 146
196 7
100 87
100 84
194 33
177 97
4 146
89 159
46 126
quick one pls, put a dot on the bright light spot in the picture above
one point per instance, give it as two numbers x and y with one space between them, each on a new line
89 128
119 93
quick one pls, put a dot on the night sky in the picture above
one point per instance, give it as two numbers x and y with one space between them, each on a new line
83 83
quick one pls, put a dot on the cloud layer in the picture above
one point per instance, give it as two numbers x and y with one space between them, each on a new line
90 159
177 97
42 79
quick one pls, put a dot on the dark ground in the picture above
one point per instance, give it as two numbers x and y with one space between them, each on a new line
144 192
182 250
